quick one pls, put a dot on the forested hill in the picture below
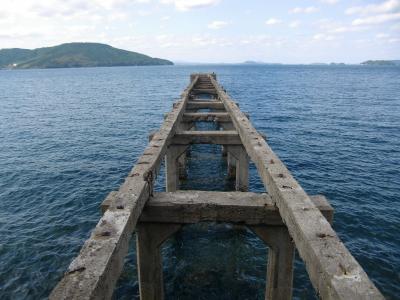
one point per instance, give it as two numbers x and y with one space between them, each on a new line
381 62
75 55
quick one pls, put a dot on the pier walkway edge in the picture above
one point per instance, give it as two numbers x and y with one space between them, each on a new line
285 217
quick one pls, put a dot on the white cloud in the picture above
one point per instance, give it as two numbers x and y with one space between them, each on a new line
382 35
273 21
304 10
323 37
294 24
58 8
109 4
34 23
185 5
395 27
217 24
341 29
331 2
378 19
203 41
374 14
118 16
167 41
385 7
143 12
333 27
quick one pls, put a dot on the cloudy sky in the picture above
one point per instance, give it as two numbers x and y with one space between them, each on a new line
297 31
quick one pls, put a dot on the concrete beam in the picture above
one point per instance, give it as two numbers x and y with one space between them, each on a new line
203 91
149 238
239 160
207 137
206 117
280 261
95 271
234 207
172 166
188 207
334 272
205 104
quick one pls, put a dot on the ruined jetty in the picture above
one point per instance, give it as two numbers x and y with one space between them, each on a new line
285 217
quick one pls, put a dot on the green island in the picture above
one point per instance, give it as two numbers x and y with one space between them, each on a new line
381 63
74 55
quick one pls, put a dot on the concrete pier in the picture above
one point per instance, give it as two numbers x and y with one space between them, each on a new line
286 218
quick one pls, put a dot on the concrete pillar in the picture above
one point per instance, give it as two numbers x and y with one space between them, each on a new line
238 159
231 162
224 152
182 173
226 126
280 261
182 160
149 238
172 166
242 171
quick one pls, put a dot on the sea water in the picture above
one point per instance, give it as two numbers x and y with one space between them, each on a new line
70 136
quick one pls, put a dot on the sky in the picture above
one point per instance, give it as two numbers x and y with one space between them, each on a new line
212 31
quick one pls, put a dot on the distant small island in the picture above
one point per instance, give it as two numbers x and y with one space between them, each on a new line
252 62
74 55
328 64
381 63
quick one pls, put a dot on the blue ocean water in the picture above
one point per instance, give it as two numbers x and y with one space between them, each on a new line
70 136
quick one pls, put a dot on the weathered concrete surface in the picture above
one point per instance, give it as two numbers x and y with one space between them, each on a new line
188 207
206 137
149 238
172 166
95 271
206 117
280 261
195 104
334 272
239 161
204 90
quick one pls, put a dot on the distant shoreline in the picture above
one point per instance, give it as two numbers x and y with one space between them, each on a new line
367 63
180 64
74 55
84 67
81 55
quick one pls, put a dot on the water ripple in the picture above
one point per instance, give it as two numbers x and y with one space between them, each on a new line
70 136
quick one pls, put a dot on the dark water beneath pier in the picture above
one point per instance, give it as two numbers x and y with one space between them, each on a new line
70 136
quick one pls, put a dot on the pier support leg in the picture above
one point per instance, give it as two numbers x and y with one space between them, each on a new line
223 148
224 152
182 173
238 158
226 126
242 171
172 166
231 162
280 261
182 160
149 238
